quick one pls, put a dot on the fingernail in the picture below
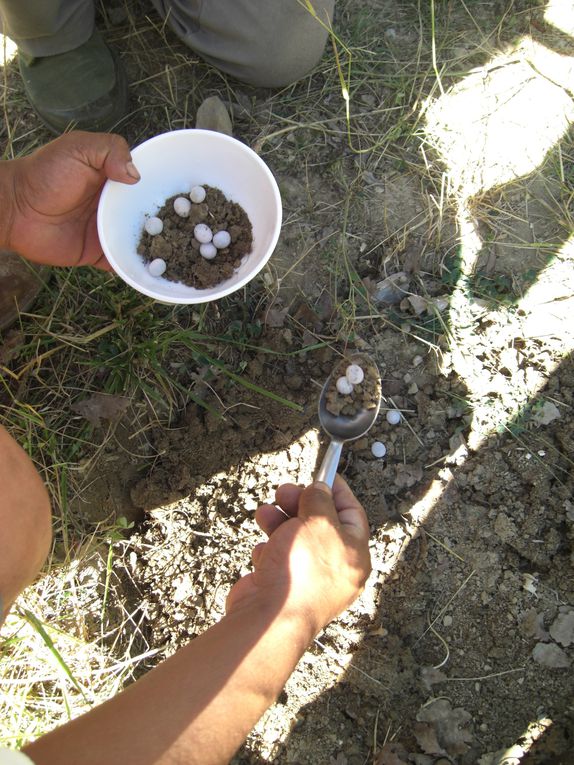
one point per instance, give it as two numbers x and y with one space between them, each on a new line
132 171
322 487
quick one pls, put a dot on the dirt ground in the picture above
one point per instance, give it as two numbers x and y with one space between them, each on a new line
461 641
460 649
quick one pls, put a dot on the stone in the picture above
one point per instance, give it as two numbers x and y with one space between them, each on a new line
562 629
550 655
213 115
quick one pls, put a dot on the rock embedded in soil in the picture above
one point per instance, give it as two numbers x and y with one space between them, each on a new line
365 395
550 655
562 629
179 248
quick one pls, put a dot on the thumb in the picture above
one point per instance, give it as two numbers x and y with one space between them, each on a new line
107 152
118 165
316 501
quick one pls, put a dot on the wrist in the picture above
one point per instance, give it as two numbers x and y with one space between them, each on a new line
7 203
303 624
276 638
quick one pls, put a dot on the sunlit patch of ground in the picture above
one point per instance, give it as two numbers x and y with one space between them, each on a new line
494 131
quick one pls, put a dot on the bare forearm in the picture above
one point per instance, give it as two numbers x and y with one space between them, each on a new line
195 708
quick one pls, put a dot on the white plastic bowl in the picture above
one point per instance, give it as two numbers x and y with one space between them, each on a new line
173 163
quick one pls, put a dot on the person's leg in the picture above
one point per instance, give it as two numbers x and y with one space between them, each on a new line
268 43
47 27
71 77
25 521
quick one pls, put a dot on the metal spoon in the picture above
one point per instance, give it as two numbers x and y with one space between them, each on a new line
341 428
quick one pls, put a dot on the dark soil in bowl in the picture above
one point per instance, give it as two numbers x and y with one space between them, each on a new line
179 249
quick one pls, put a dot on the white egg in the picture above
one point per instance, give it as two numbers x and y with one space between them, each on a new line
197 194
154 226
202 233
378 449
354 374
207 250
344 386
182 206
157 267
222 239
393 416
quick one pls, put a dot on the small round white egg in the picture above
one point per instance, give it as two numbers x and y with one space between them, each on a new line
207 250
393 416
197 194
157 267
344 387
202 233
182 206
378 449
154 226
355 374
222 239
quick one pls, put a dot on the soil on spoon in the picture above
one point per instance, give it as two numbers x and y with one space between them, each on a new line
179 249
365 395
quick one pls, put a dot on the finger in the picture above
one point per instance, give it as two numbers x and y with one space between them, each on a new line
256 552
351 513
103 264
269 518
317 501
92 254
105 151
287 497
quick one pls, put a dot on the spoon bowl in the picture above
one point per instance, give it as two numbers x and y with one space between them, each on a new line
342 428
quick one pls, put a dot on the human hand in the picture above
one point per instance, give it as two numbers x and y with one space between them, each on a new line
316 560
52 197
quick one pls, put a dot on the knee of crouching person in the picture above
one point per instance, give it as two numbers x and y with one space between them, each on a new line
284 66
25 520
42 519
24 546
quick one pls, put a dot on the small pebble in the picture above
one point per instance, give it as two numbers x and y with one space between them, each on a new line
207 250
378 449
222 239
202 233
157 267
197 194
354 374
344 387
154 226
182 206
393 416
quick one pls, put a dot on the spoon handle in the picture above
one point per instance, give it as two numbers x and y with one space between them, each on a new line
328 469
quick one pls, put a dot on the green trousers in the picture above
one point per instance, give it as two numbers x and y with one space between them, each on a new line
263 42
